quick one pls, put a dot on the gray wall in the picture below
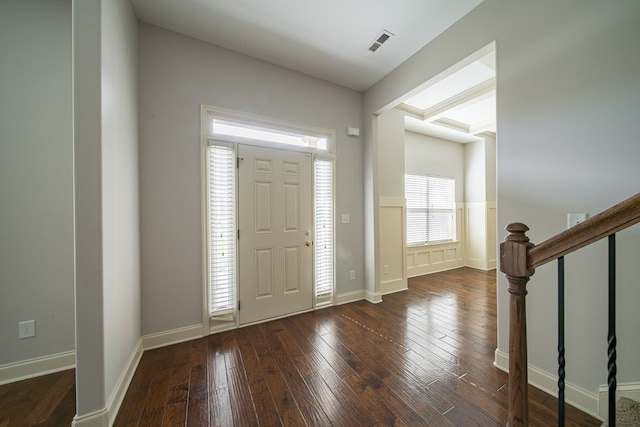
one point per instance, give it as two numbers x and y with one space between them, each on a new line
391 155
87 135
434 156
491 167
36 193
568 92
120 215
106 198
176 75
475 171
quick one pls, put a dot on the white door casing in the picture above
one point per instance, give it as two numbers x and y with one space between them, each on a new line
275 219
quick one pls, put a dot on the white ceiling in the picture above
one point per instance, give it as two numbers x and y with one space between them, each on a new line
459 107
326 39
329 40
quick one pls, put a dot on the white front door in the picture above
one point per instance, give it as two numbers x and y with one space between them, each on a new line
275 217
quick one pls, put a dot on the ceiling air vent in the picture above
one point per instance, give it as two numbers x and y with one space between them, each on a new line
380 40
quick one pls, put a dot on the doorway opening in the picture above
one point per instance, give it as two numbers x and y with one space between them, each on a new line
445 128
451 122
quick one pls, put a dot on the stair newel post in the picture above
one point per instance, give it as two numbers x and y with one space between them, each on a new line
515 264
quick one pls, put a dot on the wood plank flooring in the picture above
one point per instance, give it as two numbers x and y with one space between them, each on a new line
423 357
420 358
49 400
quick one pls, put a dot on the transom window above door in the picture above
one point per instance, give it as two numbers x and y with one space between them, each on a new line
278 176
223 127
265 133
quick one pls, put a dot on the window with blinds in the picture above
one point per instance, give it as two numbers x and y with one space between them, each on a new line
324 228
431 209
221 229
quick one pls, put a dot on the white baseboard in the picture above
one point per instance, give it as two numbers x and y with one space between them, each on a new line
487 268
373 297
574 395
94 419
106 416
478 264
630 390
174 336
119 391
32 368
393 286
501 361
435 268
348 297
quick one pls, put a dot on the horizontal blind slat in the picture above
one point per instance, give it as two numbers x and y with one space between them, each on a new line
324 219
430 209
222 229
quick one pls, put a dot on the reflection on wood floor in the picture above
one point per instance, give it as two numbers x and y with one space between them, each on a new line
423 357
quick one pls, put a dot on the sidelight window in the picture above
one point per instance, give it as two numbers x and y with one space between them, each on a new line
324 223
221 207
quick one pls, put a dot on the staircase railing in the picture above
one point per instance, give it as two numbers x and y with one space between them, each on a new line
518 260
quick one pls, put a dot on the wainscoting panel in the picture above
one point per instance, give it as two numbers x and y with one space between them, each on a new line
492 232
432 258
480 235
393 270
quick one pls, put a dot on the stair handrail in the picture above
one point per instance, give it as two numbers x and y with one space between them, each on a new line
518 260
617 218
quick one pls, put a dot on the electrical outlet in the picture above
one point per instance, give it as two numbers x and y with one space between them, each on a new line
386 269
352 275
27 329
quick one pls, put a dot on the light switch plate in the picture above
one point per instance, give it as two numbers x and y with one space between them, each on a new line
346 218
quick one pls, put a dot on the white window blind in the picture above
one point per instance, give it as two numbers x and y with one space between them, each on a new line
431 209
222 229
324 227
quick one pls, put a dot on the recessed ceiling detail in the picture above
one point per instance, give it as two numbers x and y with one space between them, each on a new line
463 103
382 38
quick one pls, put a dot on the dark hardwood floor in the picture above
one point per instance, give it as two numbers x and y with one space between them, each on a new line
49 400
420 358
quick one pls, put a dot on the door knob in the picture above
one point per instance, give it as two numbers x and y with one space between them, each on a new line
308 243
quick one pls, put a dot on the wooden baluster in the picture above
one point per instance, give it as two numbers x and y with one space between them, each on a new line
514 263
